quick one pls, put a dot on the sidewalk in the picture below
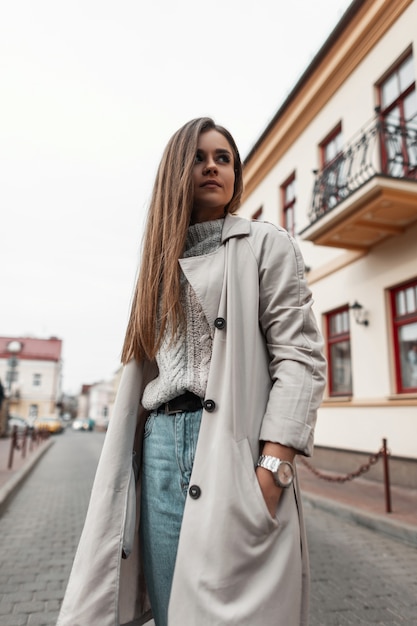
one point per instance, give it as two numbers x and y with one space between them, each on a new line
363 501
360 500
10 479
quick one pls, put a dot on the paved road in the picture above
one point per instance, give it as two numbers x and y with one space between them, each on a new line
358 576
40 529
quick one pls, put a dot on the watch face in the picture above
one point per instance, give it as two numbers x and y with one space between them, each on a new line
285 474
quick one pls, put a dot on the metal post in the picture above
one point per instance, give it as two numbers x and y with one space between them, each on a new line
24 442
31 440
388 508
13 440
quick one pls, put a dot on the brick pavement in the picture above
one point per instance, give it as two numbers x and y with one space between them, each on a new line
22 463
40 528
359 576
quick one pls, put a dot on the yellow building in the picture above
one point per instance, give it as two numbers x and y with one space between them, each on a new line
30 372
337 167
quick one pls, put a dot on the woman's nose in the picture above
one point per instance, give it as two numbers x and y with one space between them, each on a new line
210 165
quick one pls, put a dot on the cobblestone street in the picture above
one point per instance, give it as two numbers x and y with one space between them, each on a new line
358 576
39 531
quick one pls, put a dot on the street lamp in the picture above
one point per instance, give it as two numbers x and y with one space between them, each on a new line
359 313
14 347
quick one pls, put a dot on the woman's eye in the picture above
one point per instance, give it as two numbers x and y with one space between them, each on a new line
220 158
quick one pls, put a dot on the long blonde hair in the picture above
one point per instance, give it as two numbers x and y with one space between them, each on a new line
156 299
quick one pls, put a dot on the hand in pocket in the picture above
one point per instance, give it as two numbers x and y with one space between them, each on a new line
270 491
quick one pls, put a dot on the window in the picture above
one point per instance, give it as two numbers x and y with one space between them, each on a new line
33 411
338 343
398 104
333 180
404 318
258 214
331 147
37 380
288 204
12 376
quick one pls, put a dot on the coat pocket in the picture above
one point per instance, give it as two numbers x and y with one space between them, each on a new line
243 534
254 493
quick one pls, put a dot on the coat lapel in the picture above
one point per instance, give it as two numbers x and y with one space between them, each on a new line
206 273
208 291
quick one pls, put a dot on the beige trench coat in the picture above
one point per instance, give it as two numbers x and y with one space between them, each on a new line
236 565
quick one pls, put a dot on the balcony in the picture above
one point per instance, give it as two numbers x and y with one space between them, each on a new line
369 191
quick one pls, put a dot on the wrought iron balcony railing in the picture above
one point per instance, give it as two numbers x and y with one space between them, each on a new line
383 148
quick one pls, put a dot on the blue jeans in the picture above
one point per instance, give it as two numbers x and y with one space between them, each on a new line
169 448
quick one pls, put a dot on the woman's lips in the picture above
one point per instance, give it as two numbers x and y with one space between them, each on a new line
210 183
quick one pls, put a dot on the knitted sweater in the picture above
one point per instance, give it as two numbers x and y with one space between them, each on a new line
184 364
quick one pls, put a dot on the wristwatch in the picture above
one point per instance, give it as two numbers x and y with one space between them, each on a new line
282 471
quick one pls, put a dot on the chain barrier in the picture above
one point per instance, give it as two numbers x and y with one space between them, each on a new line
346 477
383 454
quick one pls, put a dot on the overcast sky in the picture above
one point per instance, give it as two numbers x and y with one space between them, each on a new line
90 93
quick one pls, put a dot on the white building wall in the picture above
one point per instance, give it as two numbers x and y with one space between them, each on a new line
363 428
362 425
366 281
49 379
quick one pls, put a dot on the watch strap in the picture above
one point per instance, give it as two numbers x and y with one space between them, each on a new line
268 462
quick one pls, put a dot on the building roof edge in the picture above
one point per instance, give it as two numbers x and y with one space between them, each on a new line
341 25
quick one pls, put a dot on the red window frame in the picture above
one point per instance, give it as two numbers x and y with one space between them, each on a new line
396 103
331 137
332 168
338 333
288 202
258 213
407 292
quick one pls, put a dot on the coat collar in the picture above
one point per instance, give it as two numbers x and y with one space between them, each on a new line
235 226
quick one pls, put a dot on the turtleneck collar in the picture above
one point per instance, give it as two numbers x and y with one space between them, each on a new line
203 237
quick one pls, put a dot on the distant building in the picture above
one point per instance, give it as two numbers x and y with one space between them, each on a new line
96 401
83 402
100 400
337 167
30 371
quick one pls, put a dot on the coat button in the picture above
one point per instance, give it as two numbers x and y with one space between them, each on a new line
209 405
195 492
220 323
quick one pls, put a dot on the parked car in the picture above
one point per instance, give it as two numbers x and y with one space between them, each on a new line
83 424
52 425
19 422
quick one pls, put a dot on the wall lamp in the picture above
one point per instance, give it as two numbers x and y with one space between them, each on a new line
359 313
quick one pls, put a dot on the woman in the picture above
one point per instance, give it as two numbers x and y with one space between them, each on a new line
223 376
